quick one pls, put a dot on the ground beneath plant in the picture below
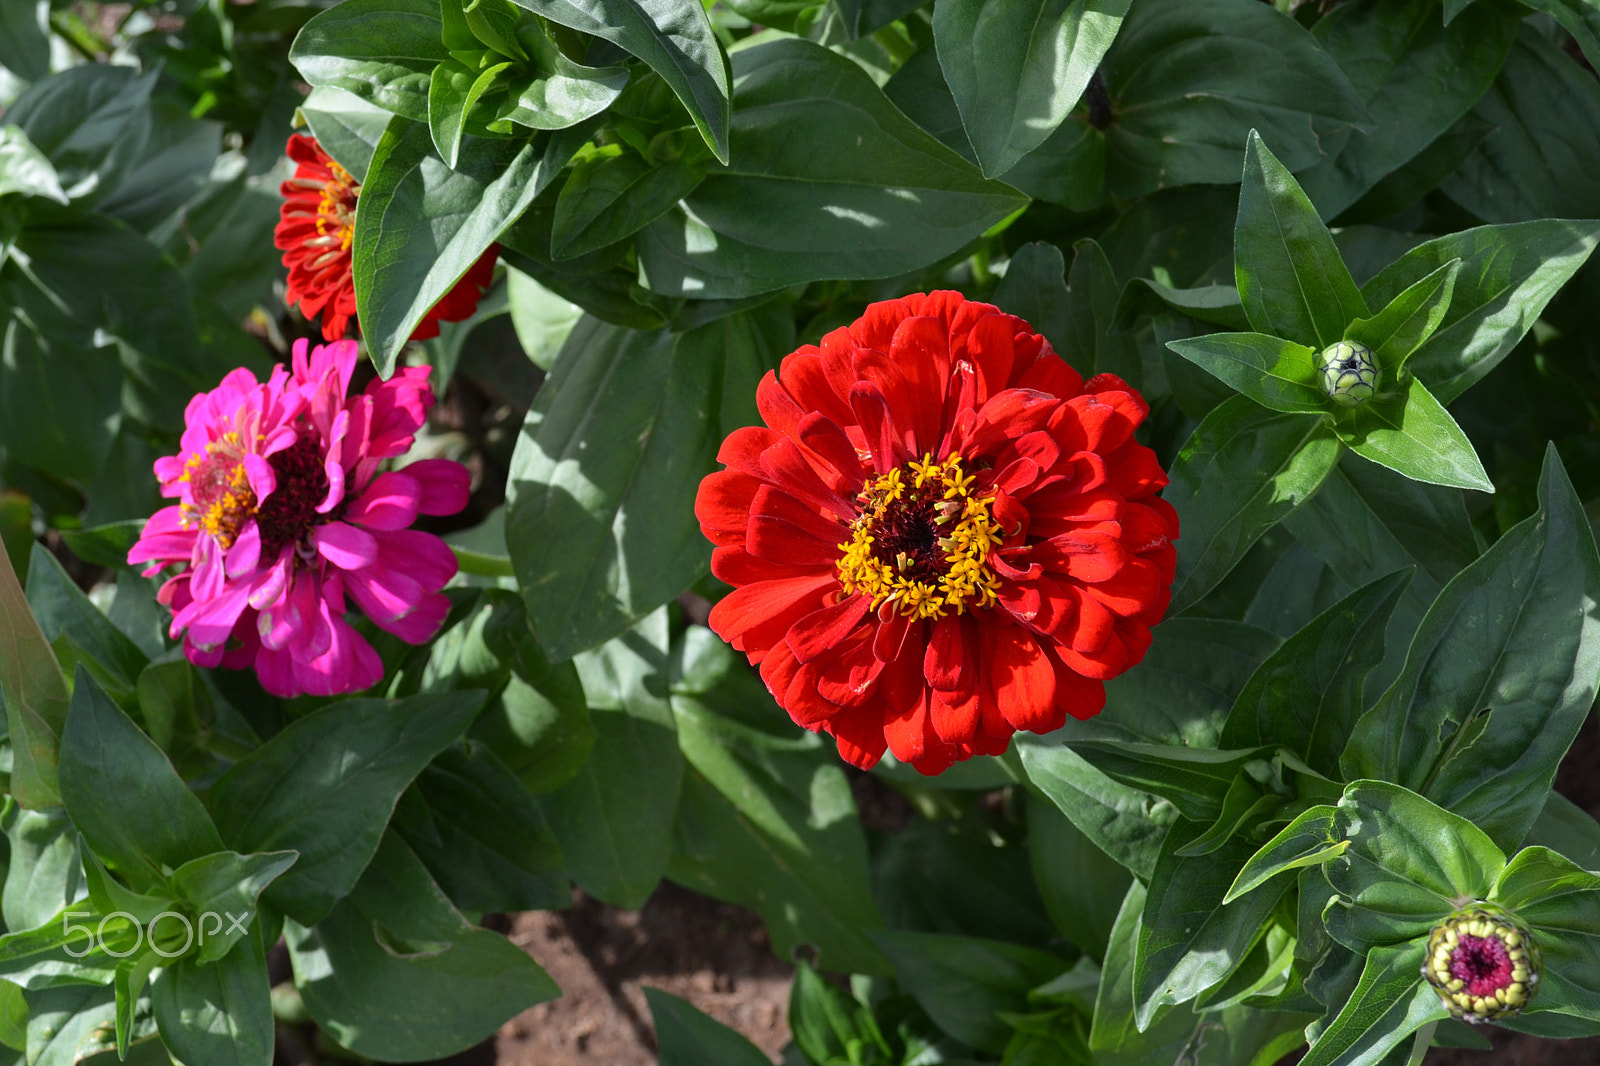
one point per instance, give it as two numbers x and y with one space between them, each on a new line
717 957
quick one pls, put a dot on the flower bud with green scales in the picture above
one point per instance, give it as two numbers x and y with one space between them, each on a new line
1349 373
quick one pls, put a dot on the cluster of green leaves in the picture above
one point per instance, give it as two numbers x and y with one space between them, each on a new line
1348 727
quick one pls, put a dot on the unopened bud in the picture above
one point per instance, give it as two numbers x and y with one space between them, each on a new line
1349 373
1483 963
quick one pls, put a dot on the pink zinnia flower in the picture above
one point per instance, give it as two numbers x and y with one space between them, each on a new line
282 512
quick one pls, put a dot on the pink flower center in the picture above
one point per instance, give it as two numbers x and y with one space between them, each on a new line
1483 962
288 514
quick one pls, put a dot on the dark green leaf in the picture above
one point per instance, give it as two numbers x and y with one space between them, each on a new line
1536 162
217 1012
1309 840
383 51
674 39
105 545
1581 18
354 757
1277 374
68 1023
691 1038
1411 182
1308 695
1243 471
1411 433
801 187
1417 77
23 168
1017 69
1092 345
962 982
1188 78
614 818
1189 940
1390 1003
1217 304
35 697
770 824
541 318
1409 863
1080 884
63 610
90 121
24 40
540 724
612 194
396 973
1291 279
1124 822
104 760
1508 274
484 839
43 872
345 126
423 225
600 523
1500 675
1563 826
222 890
1194 780
828 1025
1035 290
1407 322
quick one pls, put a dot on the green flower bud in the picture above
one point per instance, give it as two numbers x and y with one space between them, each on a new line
1349 373
1483 963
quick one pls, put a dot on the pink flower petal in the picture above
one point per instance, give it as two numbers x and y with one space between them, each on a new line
389 503
245 554
446 485
345 546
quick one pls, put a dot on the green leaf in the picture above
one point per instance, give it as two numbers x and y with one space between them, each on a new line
563 95
1243 471
1564 827
354 757
44 873
396 973
769 823
1195 780
1188 78
1508 273
1124 822
345 126
674 39
1081 885
1417 77
90 121
828 1025
1309 840
454 89
1092 345
484 839
24 169
34 694
1499 676
614 818
62 610
963 982
224 887
1017 69
1534 164
600 522
800 187
1389 1004
1035 290
217 1012
382 51
13 1017
540 724
423 225
1308 695
612 194
24 41
1409 183
1411 433
1409 863
689 1037
65 1024
104 760
1190 939
1581 18
105 545
1407 322
541 318
1217 304
1291 279
1277 374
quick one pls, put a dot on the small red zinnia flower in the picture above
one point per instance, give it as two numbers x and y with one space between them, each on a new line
315 228
942 534
283 509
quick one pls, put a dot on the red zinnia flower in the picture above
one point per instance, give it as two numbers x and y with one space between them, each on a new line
315 228
942 534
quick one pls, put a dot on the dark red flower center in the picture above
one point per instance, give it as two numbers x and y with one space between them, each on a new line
1483 962
288 514
922 541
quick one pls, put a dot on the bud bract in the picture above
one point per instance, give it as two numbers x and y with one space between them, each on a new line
1349 373
1483 963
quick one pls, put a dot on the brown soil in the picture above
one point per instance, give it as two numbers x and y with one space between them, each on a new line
714 955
